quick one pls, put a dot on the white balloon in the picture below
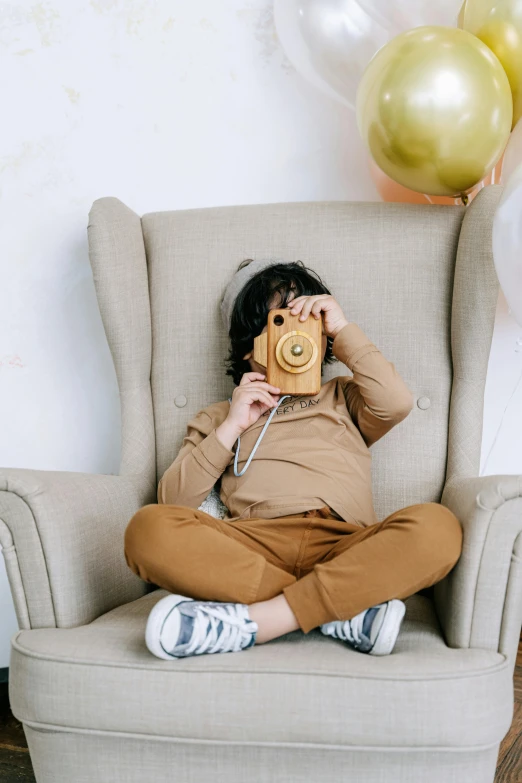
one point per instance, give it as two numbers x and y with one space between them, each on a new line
507 243
401 15
512 153
330 42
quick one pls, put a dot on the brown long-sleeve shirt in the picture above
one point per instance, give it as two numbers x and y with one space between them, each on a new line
314 453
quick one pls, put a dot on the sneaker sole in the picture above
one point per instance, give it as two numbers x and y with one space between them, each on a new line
157 617
390 628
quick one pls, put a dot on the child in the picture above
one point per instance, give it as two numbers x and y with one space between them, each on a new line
302 547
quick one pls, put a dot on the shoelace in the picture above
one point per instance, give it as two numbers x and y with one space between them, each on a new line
258 441
237 629
350 630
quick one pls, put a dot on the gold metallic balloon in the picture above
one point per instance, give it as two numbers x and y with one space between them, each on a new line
498 23
434 108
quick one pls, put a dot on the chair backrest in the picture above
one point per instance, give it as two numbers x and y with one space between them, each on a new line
392 267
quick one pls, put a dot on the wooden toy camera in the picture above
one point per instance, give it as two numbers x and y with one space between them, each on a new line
291 351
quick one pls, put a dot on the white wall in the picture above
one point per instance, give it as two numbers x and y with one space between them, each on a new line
165 104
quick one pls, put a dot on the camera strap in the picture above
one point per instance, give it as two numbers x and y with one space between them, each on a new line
258 441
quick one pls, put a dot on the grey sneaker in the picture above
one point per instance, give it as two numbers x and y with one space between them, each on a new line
373 631
178 627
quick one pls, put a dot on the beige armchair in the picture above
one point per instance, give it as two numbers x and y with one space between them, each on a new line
95 704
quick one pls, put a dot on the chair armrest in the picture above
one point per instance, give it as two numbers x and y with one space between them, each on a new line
62 540
479 603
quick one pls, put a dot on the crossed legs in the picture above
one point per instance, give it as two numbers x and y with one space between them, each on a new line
293 571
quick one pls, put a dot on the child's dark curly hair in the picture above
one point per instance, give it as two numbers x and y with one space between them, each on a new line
251 308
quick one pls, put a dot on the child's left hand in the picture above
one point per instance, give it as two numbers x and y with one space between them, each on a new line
333 320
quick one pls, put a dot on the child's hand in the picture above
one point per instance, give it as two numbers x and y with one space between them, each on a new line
334 319
250 400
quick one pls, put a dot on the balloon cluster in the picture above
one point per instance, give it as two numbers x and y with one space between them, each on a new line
437 89
435 102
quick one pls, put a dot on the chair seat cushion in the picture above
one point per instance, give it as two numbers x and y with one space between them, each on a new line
297 689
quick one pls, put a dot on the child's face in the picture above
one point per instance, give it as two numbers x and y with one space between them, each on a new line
255 367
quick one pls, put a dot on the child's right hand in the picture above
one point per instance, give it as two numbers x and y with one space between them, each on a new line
250 400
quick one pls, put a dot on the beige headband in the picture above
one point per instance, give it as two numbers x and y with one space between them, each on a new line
241 277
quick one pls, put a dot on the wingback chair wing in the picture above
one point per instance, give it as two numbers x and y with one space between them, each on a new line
95 704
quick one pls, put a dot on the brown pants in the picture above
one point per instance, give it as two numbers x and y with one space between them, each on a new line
328 569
